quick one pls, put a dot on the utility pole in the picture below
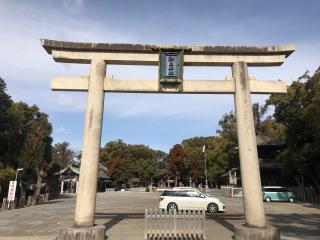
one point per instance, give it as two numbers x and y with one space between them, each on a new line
19 169
205 166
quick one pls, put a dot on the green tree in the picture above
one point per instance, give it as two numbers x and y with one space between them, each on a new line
62 154
125 161
25 139
161 158
5 123
216 155
195 157
298 111
113 155
269 127
36 151
218 158
229 137
6 175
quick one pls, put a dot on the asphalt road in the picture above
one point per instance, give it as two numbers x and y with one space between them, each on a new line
123 215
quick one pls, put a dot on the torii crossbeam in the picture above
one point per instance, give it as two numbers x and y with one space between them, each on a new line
97 83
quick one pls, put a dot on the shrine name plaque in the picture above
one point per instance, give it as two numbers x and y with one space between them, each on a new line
171 70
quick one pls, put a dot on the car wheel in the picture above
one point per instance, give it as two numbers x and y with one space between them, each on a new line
172 206
213 208
291 199
268 199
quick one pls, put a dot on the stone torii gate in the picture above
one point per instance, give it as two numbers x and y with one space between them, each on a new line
170 59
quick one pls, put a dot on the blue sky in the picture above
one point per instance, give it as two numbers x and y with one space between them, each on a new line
159 121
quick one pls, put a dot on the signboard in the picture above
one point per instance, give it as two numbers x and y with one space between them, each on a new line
12 190
171 68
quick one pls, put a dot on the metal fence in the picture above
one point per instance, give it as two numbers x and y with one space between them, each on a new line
137 189
307 194
133 189
231 191
179 224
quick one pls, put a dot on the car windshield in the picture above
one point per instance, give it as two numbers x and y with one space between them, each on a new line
275 190
194 194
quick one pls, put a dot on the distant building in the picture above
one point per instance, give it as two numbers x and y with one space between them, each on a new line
270 169
134 182
69 177
162 179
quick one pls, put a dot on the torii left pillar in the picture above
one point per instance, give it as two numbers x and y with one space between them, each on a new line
86 196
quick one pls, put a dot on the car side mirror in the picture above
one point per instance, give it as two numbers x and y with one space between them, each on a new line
202 196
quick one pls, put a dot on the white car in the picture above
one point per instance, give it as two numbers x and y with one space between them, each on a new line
188 200
184 188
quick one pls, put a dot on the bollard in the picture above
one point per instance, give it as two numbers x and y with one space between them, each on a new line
4 204
22 202
29 201
46 198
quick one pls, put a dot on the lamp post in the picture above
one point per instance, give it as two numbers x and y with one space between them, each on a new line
205 169
205 166
19 169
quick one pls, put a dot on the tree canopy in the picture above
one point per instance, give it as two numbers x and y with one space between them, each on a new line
299 113
62 155
125 161
25 141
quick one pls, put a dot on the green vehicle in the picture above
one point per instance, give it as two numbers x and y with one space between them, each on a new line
277 194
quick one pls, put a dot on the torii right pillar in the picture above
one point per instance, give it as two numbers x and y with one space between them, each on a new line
255 221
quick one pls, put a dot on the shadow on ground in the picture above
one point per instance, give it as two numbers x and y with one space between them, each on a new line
116 218
309 205
67 195
302 226
225 219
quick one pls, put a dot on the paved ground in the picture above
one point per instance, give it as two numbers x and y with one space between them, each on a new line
123 215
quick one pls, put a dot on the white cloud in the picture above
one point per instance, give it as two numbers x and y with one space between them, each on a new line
188 107
74 6
70 103
27 68
62 130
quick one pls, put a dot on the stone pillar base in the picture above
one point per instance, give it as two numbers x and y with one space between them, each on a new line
249 233
83 233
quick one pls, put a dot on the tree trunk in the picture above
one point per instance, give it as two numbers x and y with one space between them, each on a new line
316 183
38 186
22 195
296 178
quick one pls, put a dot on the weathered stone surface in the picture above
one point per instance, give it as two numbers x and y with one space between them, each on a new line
249 164
50 45
82 233
151 85
86 195
252 233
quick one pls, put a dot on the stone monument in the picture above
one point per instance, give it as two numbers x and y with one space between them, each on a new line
170 59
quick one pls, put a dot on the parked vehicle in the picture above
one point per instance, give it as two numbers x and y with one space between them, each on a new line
189 189
276 193
188 199
185 188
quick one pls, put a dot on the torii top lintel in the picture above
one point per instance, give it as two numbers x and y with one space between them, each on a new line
139 54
